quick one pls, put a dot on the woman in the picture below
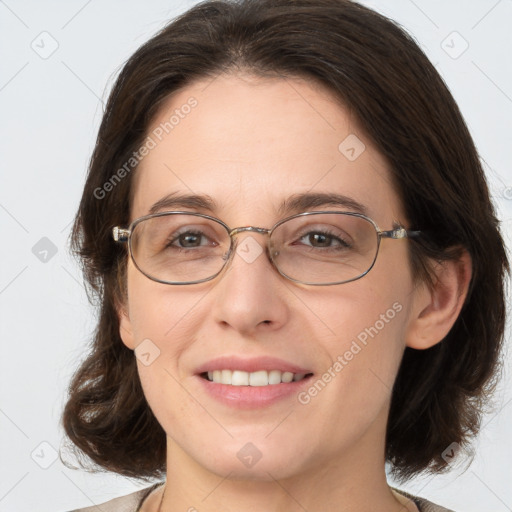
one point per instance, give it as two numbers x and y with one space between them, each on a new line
299 266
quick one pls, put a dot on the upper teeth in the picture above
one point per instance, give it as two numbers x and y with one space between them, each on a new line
259 378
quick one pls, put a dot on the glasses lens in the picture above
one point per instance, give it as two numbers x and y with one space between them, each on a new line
179 248
325 248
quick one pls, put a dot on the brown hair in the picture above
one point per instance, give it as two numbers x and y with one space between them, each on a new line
379 73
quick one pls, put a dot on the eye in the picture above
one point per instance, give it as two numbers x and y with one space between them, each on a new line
325 238
188 239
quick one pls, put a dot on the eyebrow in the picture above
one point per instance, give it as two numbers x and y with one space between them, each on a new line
176 200
302 202
296 203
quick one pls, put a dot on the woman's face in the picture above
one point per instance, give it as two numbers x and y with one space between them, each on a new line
250 144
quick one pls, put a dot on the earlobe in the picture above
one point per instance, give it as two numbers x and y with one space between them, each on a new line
435 310
125 327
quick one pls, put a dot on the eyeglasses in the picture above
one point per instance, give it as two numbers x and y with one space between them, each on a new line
312 248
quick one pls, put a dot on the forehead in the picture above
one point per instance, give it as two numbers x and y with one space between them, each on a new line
251 143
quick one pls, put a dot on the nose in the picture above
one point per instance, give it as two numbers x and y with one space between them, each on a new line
251 296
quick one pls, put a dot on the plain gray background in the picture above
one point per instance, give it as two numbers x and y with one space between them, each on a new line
58 64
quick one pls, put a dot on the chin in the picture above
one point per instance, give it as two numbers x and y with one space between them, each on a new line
267 469
259 460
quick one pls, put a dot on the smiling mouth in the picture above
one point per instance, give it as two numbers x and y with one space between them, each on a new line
258 378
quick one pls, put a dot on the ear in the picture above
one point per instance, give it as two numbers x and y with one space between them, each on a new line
435 310
125 326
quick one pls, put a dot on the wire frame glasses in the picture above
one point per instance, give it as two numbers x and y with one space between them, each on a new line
313 248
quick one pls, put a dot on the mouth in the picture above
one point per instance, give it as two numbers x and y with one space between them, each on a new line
257 378
253 383
258 389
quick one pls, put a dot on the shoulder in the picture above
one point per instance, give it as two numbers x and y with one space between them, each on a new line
128 503
423 504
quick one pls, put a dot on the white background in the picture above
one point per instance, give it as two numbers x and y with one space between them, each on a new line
50 113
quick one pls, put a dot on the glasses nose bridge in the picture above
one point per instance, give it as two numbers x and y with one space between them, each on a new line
253 229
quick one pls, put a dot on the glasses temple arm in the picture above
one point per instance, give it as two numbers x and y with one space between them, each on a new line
399 233
120 234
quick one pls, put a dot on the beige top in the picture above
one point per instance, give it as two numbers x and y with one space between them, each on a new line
132 502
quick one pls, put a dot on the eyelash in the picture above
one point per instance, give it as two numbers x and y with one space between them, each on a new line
343 244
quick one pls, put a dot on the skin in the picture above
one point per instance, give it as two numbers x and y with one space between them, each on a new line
248 144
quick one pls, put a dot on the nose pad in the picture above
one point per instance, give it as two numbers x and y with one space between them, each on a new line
272 252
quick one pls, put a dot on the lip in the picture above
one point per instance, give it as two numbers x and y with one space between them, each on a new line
250 365
251 397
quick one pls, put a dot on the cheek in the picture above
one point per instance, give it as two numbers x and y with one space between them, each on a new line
160 312
367 324
162 323
363 312
175 409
